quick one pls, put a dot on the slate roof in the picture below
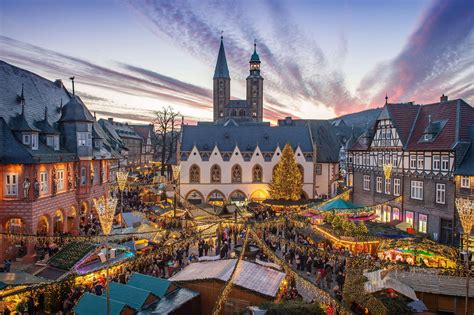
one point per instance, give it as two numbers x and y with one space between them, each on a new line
75 110
245 137
251 276
25 99
324 136
466 165
123 130
143 130
237 104
221 70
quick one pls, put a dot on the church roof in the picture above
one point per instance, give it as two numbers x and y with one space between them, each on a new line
245 137
255 56
221 71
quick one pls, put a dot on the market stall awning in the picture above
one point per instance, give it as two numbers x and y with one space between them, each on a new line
338 204
158 286
93 304
18 278
136 298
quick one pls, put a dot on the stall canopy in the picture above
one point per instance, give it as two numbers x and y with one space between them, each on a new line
338 204
158 286
135 297
18 278
93 304
133 219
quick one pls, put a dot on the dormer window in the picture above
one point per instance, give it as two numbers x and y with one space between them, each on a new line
84 139
53 142
97 144
427 137
34 141
27 139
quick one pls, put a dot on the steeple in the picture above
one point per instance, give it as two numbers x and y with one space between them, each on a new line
255 56
255 61
221 71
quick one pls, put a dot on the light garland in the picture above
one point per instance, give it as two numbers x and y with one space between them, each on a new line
122 179
321 296
106 213
229 284
466 213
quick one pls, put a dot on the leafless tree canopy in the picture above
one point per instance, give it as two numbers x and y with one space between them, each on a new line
167 124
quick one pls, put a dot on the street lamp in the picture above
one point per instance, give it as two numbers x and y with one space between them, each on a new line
106 213
466 216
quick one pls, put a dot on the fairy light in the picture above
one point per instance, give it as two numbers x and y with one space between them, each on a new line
106 213
122 179
229 284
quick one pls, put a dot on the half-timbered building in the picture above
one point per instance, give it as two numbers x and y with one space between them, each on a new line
409 158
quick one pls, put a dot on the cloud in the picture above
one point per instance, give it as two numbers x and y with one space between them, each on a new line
437 59
125 79
289 58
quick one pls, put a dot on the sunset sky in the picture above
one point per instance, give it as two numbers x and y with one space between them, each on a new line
320 59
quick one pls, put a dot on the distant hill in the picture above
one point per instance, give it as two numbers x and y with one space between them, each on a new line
360 119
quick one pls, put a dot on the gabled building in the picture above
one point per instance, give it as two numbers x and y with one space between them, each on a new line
54 159
413 152
146 133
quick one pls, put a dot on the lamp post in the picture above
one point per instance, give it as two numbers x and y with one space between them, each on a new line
466 216
106 212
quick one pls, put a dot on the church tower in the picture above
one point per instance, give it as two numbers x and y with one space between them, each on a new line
255 87
221 84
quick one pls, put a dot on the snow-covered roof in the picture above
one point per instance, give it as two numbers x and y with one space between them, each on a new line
250 276
380 280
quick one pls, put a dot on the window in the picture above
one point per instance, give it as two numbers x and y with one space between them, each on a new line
96 174
436 162
420 162
378 187
60 180
395 214
104 171
236 174
44 183
422 223
215 174
409 217
83 176
388 186
379 159
378 212
11 184
417 189
413 161
26 139
319 168
34 141
465 182
441 193
396 186
194 174
257 174
386 214
395 160
84 139
445 163
366 182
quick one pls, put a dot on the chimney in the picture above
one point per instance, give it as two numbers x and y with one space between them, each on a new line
443 98
288 121
58 83
110 119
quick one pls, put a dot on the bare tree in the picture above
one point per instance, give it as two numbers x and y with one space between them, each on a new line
166 122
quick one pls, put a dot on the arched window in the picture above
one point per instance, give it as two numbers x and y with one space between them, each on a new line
194 174
242 113
300 167
236 174
215 174
257 174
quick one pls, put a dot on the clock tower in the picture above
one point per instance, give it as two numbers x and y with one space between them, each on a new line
255 87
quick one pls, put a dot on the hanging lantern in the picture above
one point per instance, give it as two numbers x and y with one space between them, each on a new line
387 170
122 179
106 213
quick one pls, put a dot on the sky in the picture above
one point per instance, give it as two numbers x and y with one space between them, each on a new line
320 59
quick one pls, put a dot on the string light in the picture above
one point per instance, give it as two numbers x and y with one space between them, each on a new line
228 286
122 179
106 213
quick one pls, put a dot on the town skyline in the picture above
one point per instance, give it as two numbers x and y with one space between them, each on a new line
309 71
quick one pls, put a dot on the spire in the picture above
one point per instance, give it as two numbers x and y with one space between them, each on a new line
221 71
255 57
386 99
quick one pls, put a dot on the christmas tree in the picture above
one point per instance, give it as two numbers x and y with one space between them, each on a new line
286 182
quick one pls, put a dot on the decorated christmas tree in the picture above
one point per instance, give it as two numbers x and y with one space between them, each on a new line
286 182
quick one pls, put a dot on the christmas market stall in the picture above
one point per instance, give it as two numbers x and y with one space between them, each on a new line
418 251
280 205
94 304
